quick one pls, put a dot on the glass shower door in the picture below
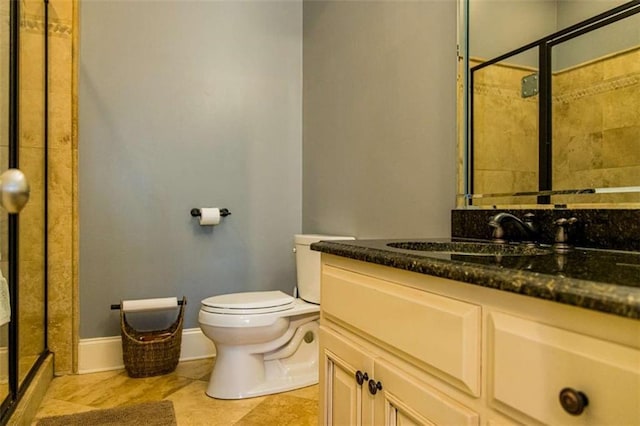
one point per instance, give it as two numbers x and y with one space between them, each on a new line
23 226
31 160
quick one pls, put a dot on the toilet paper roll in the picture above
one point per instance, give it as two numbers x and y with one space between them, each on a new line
141 305
209 216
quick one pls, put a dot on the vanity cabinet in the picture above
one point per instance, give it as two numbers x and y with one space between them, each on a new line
405 348
354 393
345 370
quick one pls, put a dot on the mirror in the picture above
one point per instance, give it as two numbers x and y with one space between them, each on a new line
552 98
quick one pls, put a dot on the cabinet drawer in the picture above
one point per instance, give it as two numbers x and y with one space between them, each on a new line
448 339
530 363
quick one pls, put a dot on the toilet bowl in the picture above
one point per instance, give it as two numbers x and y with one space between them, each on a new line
266 341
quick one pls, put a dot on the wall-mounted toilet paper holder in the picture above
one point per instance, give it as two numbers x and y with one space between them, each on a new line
223 212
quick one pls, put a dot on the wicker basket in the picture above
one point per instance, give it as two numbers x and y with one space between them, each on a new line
151 353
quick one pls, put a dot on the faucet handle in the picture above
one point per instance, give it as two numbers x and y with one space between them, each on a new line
562 234
497 236
530 222
564 221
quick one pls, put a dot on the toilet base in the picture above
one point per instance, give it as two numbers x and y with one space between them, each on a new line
268 387
239 375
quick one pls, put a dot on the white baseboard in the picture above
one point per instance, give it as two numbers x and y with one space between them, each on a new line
105 353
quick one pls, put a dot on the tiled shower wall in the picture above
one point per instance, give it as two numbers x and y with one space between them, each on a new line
596 131
596 128
505 134
62 152
31 115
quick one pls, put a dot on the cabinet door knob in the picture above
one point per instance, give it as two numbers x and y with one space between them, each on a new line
573 401
374 387
361 377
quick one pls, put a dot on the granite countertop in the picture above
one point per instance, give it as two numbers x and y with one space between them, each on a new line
601 280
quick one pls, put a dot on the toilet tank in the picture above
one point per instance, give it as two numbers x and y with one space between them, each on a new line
308 265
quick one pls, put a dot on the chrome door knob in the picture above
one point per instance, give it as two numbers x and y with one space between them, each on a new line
14 190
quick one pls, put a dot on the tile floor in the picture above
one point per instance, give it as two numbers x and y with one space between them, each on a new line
185 387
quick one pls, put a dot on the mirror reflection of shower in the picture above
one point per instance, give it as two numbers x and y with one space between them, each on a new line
594 133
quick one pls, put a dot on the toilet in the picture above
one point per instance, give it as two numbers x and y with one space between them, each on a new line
267 341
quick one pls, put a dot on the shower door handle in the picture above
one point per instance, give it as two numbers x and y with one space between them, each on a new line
14 190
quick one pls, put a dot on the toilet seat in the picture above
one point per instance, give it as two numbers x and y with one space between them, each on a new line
299 307
248 303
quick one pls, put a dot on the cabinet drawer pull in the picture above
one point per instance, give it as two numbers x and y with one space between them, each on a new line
374 387
573 401
361 377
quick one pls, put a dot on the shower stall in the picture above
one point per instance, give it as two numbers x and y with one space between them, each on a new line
23 225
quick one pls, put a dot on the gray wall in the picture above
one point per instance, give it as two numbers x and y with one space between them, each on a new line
379 118
613 38
499 26
185 104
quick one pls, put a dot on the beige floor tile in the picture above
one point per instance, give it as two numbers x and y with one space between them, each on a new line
118 389
65 387
131 391
198 370
58 407
194 407
310 392
282 410
186 389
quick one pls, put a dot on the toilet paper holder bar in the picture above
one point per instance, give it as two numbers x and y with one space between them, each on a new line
117 306
223 212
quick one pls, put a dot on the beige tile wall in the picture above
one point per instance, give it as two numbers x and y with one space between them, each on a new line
63 309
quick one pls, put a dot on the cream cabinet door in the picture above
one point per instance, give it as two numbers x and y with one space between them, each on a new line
343 400
401 399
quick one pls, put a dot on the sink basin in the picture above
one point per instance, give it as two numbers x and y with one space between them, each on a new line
471 249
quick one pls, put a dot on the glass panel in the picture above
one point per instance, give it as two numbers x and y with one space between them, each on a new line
31 159
4 151
596 124
505 129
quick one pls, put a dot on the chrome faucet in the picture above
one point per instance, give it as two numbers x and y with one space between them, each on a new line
527 227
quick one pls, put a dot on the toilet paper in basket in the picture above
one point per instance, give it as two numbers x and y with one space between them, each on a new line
142 305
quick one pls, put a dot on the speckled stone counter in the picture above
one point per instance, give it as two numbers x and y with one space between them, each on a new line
601 280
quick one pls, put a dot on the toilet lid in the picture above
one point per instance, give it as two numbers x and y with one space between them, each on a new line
252 302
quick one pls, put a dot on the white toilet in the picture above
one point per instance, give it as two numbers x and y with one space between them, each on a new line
267 341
